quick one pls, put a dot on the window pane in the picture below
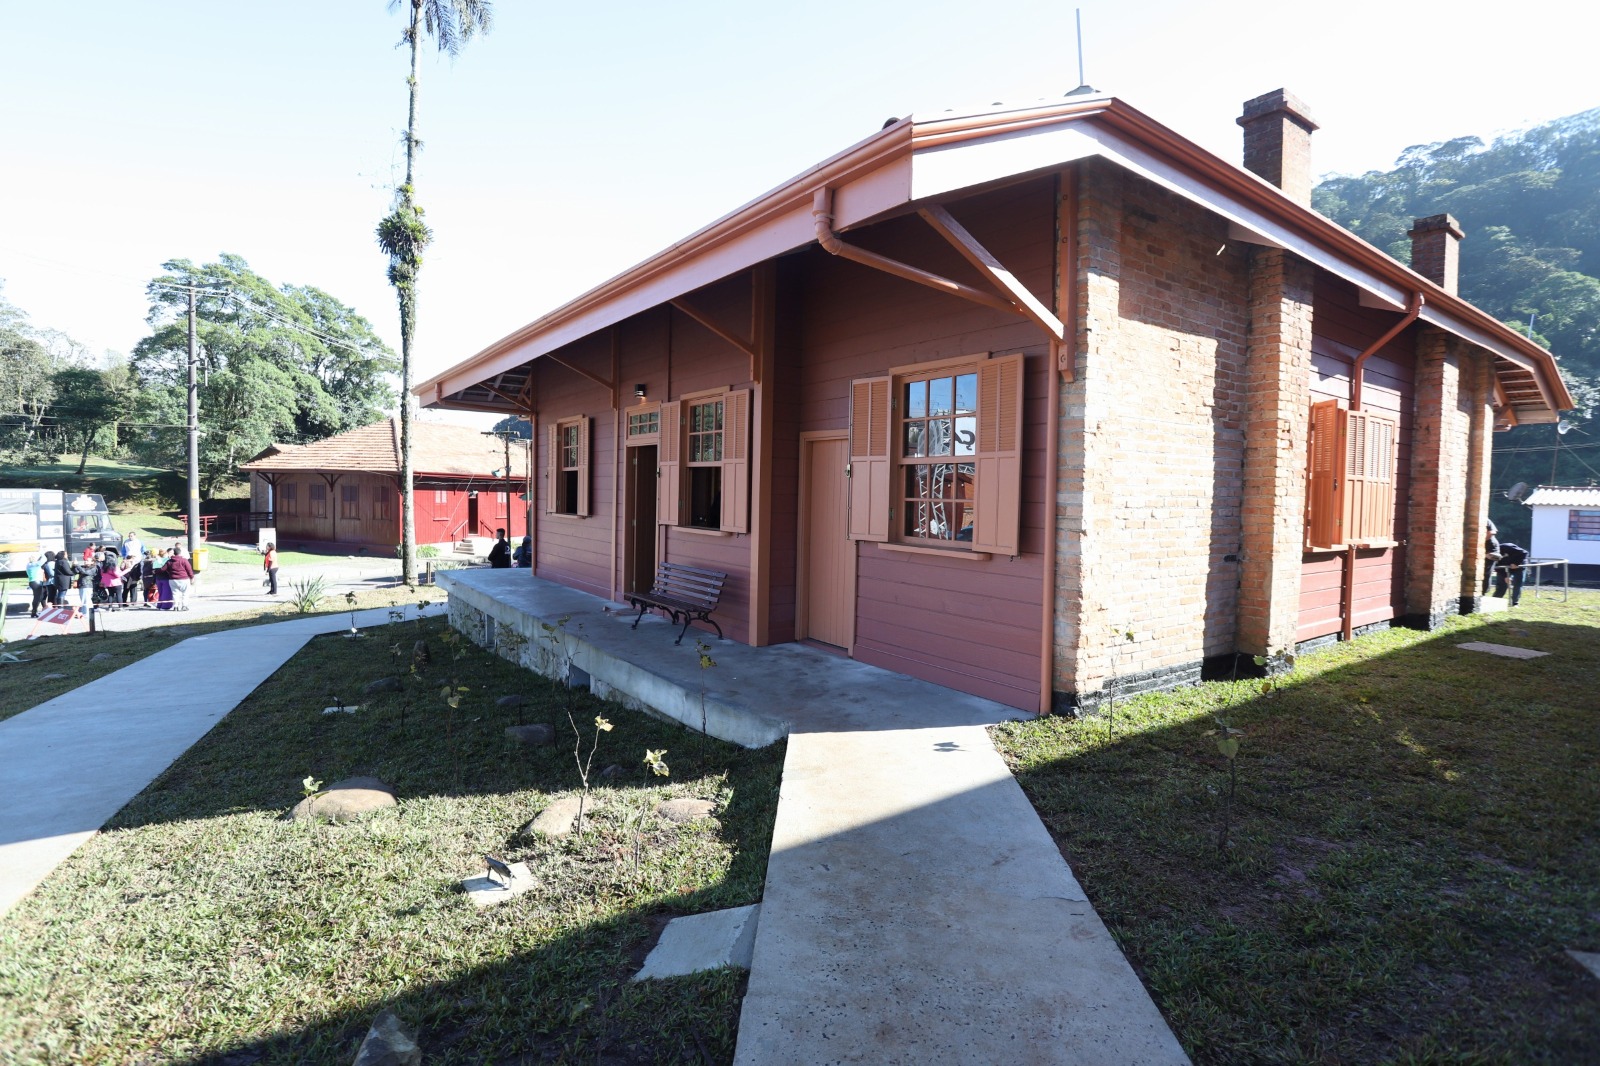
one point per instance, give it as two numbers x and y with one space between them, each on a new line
967 393
916 481
939 436
914 439
943 484
916 520
939 396
966 435
917 399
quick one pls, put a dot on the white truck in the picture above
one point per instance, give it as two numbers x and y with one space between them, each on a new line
41 520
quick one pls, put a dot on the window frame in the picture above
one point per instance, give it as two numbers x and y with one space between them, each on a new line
568 438
350 502
288 498
383 503
318 501
1578 517
675 484
1352 477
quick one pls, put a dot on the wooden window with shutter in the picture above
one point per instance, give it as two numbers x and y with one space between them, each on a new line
936 456
736 463
567 468
1350 477
869 458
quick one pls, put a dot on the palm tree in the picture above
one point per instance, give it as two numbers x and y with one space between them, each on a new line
404 236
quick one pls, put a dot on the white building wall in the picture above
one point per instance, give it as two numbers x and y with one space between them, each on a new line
1550 536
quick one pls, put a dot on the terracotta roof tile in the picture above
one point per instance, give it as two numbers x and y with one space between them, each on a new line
437 448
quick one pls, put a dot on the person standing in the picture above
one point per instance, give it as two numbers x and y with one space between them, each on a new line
179 574
1510 572
270 564
37 584
500 554
523 556
1491 551
61 575
132 548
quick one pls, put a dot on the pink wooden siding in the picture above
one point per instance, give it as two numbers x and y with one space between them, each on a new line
1341 330
969 624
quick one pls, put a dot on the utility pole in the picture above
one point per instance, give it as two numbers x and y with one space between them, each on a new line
505 438
194 433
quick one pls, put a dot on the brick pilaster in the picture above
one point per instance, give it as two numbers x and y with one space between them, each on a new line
1441 429
1276 421
1478 375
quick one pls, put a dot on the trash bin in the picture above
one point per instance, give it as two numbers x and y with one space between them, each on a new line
199 560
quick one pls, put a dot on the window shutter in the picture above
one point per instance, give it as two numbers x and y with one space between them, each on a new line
1324 504
1369 476
584 437
997 518
736 463
552 467
669 464
870 423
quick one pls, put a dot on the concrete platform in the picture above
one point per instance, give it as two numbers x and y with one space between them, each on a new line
753 696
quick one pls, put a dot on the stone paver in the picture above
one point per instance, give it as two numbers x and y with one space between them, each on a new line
1505 651
698 942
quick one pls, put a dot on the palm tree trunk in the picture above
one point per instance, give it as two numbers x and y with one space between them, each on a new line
408 316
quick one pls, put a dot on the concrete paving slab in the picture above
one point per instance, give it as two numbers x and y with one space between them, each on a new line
1505 651
917 911
68 765
1589 960
484 891
698 942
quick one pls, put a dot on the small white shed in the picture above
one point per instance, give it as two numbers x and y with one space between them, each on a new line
1566 523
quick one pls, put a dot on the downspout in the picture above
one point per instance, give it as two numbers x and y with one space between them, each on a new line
1060 367
1347 587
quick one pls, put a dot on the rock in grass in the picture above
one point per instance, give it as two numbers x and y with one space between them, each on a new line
101 657
514 700
685 810
345 801
53 677
383 684
389 1043
531 736
555 820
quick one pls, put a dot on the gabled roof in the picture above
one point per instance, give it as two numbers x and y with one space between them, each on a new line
915 161
436 448
1564 496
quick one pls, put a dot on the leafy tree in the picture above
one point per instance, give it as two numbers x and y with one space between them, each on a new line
1530 205
404 236
26 388
286 363
84 403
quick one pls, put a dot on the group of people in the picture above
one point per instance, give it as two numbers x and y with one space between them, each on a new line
130 575
1505 561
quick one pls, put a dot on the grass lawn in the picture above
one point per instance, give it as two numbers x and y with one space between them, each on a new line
159 529
72 655
124 485
1413 846
201 926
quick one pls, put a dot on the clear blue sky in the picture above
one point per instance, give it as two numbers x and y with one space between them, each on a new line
575 140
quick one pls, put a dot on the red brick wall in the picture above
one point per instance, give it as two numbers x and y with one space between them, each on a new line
1152 436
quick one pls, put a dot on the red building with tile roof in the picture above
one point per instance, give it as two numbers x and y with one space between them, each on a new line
346 489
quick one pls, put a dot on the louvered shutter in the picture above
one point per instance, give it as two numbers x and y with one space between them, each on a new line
584 437
869 458
997 518
552 468
1324 504
669 464
736 463
1369 476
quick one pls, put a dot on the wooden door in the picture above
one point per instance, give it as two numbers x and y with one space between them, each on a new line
639 516
472 515
827 564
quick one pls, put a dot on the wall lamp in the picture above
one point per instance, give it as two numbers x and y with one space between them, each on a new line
639 391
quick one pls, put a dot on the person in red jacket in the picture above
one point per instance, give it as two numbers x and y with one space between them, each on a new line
179 573
270 565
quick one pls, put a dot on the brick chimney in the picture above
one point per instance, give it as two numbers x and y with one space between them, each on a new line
1277 142
1436 250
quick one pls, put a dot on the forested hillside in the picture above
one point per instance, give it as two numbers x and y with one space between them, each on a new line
1530 206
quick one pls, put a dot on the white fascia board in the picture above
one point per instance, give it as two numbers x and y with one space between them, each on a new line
946 168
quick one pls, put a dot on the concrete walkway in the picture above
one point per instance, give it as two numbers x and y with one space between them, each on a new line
916 909
68 765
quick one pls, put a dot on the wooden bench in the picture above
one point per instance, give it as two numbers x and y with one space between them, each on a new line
687 593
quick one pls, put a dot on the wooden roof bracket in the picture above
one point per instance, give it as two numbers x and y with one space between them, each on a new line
1023 302
822 216
1413 309
582 373
748 347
